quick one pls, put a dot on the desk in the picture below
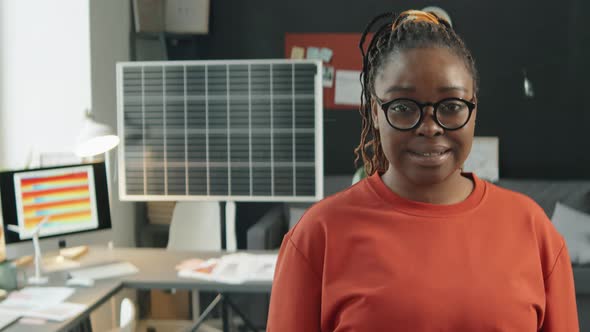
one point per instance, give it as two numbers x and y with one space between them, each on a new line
157 271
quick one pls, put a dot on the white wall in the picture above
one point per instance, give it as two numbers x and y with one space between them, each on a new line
42 101
42 104
110 26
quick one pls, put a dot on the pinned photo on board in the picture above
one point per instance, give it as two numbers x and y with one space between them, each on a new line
328 76
297 52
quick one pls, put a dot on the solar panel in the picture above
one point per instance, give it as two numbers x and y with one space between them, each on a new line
220 130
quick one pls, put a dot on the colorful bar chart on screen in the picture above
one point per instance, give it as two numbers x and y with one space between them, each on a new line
68 198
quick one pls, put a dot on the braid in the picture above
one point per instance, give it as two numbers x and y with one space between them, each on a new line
369 148
398 33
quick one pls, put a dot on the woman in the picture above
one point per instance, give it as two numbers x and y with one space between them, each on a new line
418 245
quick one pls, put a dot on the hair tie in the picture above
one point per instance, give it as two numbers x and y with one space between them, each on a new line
415 16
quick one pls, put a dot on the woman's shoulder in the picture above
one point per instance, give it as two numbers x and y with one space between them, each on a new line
333 207
309 235
512 199
354 194
517 204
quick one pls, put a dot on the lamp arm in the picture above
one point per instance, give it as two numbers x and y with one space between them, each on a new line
37 279
37 250
37 247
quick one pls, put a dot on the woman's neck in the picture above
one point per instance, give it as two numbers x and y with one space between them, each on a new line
454 189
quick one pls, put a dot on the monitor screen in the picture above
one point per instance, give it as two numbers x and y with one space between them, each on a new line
75 198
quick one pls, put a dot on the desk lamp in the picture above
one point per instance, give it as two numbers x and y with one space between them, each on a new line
95 138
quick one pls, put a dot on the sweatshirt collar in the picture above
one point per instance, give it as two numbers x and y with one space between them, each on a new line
428 209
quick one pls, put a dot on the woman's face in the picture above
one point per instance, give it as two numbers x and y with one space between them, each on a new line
427 154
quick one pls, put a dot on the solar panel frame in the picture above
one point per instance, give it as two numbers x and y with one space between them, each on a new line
169 92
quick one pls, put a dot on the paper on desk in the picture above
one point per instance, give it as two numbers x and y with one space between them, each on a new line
348 87
42 302
58 312
7 318
233 269
32 298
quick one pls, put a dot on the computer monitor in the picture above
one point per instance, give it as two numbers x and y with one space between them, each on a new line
75 197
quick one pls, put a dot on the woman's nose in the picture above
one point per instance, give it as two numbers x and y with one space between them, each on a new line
428 126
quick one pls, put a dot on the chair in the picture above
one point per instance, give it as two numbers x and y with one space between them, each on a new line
127 316
195 226
127 319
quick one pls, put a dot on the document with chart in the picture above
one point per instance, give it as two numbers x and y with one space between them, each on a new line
232 269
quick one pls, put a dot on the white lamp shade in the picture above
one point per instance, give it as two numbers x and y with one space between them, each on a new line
95 138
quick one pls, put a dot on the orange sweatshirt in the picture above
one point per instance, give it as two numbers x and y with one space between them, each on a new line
369 260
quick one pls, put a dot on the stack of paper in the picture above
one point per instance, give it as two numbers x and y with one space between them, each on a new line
233 269
7 318
42 302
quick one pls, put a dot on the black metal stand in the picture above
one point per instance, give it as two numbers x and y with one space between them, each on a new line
222 216
223 298
225 301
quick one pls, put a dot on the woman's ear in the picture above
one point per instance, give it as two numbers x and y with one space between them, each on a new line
375 107
475 109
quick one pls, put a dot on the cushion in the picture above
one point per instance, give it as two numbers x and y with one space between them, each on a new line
574 226
573 193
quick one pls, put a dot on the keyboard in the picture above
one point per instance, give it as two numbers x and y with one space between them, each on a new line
105 271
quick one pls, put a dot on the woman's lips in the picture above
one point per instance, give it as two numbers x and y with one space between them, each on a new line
430 158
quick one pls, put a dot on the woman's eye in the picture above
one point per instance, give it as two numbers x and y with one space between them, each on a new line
451 107
400 108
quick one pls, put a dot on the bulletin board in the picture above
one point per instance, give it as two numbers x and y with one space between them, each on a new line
346 56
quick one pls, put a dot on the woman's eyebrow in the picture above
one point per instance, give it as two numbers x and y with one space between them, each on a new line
452 88
397 88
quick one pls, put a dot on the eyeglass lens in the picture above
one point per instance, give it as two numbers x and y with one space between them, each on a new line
405 113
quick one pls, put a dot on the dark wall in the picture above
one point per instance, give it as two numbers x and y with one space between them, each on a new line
543 137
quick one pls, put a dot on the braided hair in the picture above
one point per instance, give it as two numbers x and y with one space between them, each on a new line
409 30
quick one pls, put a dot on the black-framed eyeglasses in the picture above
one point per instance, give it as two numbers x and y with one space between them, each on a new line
407 114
